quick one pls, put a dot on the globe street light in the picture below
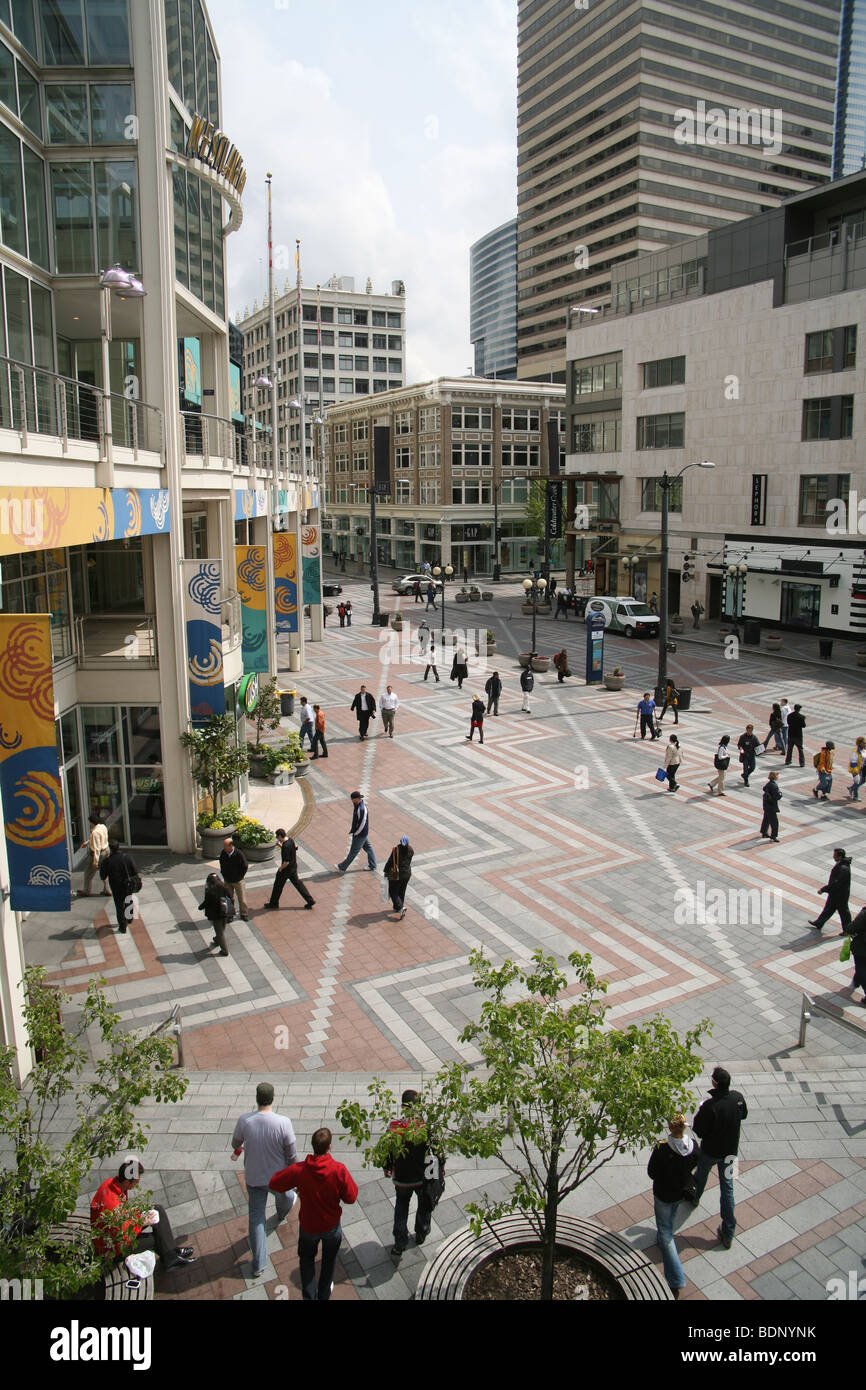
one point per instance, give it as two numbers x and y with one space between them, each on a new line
532 588
666 482
737 575
446 573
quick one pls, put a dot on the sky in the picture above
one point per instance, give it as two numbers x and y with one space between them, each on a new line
389 129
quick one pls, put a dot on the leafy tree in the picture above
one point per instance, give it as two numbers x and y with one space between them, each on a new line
217 761
557 1096
41 1180
268 711
534 514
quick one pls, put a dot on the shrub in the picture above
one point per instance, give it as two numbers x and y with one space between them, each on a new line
252 832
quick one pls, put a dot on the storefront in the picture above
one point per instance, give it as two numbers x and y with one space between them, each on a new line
112 767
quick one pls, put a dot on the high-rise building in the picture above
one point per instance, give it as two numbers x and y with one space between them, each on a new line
354 344
641 124
493 301
849 149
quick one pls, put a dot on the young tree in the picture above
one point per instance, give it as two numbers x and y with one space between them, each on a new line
557 1095
41 1180
268 710
534 513
217 761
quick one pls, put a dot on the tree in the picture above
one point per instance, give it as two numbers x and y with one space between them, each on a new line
41 1181
217 761
268 710
557 1095
534 513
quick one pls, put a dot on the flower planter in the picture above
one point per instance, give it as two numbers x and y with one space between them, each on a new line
544 609
676 628
397 622
212 840
461 598
526 608
612 682
486 594
540 664
524 658
258 854
491 648
301 769
475 595
772 642
447 1275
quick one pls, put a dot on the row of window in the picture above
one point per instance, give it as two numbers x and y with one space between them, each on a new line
71 33
514 456
512 492
832 350
824 417
76 113
192 64
198 241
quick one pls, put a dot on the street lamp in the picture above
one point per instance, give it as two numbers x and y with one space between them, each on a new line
666 483
737 575
532 588
446 573
126 286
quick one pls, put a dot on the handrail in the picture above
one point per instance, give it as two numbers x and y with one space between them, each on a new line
807 1004
34 399
175 1020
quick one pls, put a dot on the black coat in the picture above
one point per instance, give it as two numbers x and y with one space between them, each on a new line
493 688
364 704
857 933
527 679
404 855
289 855
117 870
216 904
796 725
477 711
772 796
748 744
717 1123
233 867
670 1170
838 885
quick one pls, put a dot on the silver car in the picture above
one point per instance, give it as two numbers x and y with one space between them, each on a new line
408 582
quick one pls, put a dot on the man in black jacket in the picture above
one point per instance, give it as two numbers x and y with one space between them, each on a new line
796 725
288 873
493 690
409 1170
748 745
857 933
364 705
119 871
838 890
772 797
233 868
717 1125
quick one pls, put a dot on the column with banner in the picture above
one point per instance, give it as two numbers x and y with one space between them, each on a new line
204 651
311 561
285 581
32 796
250 563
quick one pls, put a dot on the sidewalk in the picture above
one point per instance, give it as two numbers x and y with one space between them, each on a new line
796 646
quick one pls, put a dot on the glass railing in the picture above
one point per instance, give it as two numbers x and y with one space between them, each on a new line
35 401
110 639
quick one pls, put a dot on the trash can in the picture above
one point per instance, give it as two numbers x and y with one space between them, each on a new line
751 633
287 703
684 697
825 648
497 571
384 619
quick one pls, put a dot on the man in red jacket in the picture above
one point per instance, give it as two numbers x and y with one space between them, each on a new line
155 1234
323 1184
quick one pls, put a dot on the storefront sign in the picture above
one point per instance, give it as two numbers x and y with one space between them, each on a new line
215 149
250 567
759 499
248 694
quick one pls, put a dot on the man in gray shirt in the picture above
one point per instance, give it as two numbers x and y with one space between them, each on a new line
268 1144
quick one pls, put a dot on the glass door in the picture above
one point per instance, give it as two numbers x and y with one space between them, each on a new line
801 605
73 803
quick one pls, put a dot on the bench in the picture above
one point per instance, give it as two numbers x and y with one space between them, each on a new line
113 1279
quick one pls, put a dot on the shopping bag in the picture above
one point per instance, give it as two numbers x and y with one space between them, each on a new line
661 775
845 953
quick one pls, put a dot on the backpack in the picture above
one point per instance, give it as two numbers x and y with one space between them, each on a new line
816 759
227 908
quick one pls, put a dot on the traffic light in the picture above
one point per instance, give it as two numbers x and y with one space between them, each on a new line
688 568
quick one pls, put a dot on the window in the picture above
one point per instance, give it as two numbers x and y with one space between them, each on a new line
394 344
311 359
108 37
661 431
37 207
817 492
344 316
360 429
309 313
328 361
667 371
360 316
362 386
819 352
110 105
651 495
380 342
597 436
378 319
72 202
362 364
403 457
28 97
328 385
428 419
431 493
403 422
515 490
395 367
831 350
405 491
341 463
520 418
12 223
341 434
520 456
380 364
602 376
345 340
62 33
346 362
327 338
394 321
469 417
311 386
360 462
430 456
362 340
828 417
849 346
347 386
471 456
379 385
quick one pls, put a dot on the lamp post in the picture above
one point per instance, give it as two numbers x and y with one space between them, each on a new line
737 575
446 573
126 286
532 588
666 483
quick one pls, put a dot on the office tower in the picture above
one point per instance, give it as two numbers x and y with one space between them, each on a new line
493 301
849 149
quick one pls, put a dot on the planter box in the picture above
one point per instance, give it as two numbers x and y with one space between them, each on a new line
676 628
397 624
613 682
772 643
257 766
486 594
461 598
541 664
526 608
258 854
212 841
301 769
491 648
475 595
281 779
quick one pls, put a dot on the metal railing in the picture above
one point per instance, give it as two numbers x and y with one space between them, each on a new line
106 639
230 618
808 1006
214 440
825 241
36 401
174 1021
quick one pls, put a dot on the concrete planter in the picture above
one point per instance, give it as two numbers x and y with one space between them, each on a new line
491 648
258 854
281 779
524 658
676 628
613 682
772 642
301 769
541 664
212 840
461 598
860 657
526 608
486 594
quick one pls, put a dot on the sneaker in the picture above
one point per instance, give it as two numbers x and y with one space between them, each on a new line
818 926
397 1251
371 868
402 914
185 1252
339 868
726 1241
308 907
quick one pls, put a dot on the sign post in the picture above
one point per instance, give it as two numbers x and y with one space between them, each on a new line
594 649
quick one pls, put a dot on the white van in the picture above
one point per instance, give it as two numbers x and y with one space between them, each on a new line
624 614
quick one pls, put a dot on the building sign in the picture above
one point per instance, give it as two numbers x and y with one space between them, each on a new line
215 149
250 503
553 510
192 371
250 570
32 797
248 694
759 499
202 580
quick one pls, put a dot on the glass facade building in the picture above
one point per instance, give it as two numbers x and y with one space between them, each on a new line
849 148
493 302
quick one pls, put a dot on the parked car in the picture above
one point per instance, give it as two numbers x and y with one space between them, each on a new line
622 613
408 582
331 590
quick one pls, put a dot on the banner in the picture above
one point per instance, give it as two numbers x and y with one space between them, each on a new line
249 504
311 551
192 371
30 786
45 518
235 393
285 581
250 562
203 612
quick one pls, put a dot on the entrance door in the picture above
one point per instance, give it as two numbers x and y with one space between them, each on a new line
73 803
714 598
801 605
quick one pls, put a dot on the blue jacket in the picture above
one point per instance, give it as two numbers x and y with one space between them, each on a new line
646 708
360 820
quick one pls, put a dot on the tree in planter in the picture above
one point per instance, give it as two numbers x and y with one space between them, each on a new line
267 711
41 1180
558 1096
217 762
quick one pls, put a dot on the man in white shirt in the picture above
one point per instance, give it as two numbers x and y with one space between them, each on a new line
786 710
268 1144
98 847
389 703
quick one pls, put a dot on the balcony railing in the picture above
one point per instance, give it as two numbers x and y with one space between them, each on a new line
214 440
110 639
36 401
230 618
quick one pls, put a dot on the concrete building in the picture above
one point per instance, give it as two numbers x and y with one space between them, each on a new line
493 302
743 347
456 454
641 124
125 478
354 344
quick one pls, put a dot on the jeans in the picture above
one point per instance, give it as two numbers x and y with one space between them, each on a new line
308 728
308 1246
726 1188
423 1215
775 734
665 1214
258 1202
360 842
825 782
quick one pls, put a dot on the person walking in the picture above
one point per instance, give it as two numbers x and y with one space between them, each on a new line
857 933
772 796
717 1125
233 868
431 660
322 1184
527 685
646 709
423 636
154 1233
561 605
389 703
360 834
459 668
364 706
823 761
671 701
319 734
697 611
431 596
477 720
341 613
654 603
785 711
796 725
775 729
493 690
721 762
408 1172
748 746
218 907
673 758
348 613
670 1166
308 727
267 1141
416 590
560 662
119 871
838 890
857 768
288 873
398 871
97 846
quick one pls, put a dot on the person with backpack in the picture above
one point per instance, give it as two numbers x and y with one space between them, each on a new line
124 880
560 662
771 798
219 909
721 762
857 933
493 690
838 890
671 701
857 768
823 763
527 685
796 725
775 730
748 744
398 871
477 720
671 1166
409 1171
673 759
341 612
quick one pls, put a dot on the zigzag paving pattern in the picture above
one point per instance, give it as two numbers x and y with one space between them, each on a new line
554 834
